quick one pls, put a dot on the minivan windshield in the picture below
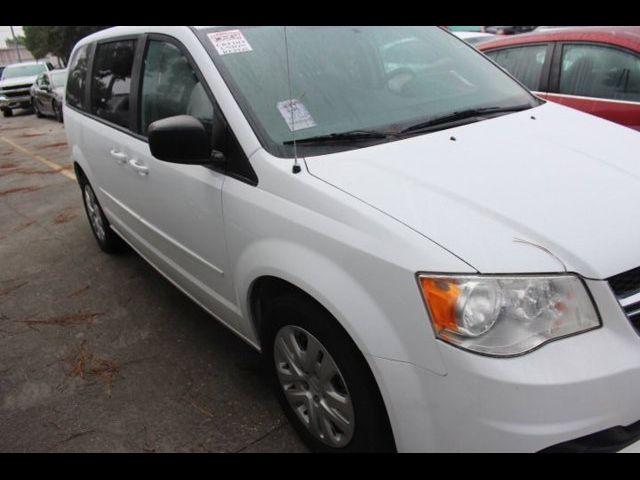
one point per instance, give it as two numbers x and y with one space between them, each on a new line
16 71
353 86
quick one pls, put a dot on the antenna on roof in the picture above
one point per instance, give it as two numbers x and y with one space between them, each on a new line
292 104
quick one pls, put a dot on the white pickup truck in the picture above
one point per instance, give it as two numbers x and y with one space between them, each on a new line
15 85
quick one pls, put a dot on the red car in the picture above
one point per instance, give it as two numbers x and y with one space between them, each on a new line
593 69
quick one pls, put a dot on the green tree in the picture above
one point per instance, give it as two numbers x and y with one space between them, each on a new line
55 40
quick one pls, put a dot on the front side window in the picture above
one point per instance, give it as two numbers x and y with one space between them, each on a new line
77 82
111 81
39 80
17 71
170 87
58 79
600 72
346 79
524 63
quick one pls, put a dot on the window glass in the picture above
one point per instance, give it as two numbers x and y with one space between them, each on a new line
524 63
16 71
111 82
170 87
601 72
58 78
354 78
77 82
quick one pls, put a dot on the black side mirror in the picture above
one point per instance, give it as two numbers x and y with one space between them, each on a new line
180 139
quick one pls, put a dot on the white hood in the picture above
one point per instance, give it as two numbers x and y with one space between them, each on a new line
567 182
12 82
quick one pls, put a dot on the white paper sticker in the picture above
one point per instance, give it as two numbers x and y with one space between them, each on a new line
229 41
296 115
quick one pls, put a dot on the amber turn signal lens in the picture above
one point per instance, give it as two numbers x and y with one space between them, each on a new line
441 296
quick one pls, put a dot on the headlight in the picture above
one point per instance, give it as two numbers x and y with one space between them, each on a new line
507 315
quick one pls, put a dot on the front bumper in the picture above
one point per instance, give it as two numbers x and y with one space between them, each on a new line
563 391
15 102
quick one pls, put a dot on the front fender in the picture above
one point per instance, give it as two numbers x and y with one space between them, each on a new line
393 327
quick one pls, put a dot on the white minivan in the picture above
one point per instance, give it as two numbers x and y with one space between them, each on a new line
429 257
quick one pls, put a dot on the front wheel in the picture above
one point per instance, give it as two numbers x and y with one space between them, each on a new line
34 105
57 111
321 379
7 112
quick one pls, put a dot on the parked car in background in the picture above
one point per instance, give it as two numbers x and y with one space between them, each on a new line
47 93
494 30
544 28
16 82
474 37
508 30
593 69
466 28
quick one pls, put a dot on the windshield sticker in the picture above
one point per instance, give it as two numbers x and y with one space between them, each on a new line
296 115
229 41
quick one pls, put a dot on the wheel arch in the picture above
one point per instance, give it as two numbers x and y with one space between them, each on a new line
273 264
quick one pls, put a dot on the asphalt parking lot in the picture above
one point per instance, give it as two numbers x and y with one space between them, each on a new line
101 353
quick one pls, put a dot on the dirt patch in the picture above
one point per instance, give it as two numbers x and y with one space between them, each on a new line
11 191
53 145
65 216
79 318
30 135
80 291
6 165
8 290
24 226
90 367
29 171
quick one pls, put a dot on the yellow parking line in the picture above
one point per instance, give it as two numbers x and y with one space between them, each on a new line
66 171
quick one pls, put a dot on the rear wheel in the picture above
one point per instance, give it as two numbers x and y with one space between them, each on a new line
108 240
7 112
321 379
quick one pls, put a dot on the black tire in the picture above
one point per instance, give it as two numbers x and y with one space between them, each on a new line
110 242
57 111
7 112
34 105
372 431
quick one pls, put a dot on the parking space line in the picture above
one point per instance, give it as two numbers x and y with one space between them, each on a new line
66 171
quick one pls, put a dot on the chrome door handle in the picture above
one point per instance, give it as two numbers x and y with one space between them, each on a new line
139 167
119 156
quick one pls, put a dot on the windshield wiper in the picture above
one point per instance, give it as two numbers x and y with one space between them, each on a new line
352 135
442 122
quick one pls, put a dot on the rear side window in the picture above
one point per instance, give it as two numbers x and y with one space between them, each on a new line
77 82
524 63
600 72
170 87
111 81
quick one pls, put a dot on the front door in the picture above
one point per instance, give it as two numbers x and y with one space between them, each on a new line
181 225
